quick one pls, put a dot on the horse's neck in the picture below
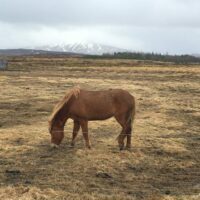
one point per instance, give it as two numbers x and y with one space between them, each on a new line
59 123
61 116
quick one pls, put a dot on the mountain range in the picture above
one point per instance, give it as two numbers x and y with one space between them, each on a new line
81 48
67 49
26 52
73 49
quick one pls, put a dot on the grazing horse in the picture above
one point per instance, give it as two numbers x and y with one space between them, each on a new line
83 106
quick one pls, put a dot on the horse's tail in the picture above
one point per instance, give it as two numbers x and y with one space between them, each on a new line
130 118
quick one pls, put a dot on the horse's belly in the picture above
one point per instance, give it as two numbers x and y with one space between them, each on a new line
99 117
99 111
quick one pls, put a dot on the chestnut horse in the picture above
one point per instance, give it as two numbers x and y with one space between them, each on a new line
83 106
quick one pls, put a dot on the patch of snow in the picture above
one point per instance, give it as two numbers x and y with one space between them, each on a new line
83 48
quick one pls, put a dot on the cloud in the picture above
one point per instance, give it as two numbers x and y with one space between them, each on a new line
145 25
102 12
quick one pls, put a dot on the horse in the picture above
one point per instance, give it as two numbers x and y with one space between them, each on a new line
82 106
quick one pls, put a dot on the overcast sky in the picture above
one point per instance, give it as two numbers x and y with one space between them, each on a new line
171 26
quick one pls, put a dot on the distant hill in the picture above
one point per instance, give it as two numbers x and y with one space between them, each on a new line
196 55
21 52
177 59
66 49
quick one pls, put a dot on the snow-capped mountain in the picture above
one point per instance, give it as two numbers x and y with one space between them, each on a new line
82 48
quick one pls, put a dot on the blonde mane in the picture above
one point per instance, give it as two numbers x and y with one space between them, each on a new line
74 91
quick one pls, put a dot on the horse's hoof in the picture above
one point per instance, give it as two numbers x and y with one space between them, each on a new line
121 148
54 146
72 144
128 148
88 147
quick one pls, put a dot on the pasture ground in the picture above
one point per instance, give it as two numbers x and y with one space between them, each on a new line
164 162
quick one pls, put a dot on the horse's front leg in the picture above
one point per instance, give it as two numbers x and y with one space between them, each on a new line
84 126
75 132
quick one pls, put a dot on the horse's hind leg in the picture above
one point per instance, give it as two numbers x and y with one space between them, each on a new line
129 128
75 132
128 132
121 119
84 126
121 138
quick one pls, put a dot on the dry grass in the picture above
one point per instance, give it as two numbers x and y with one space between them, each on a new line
164 162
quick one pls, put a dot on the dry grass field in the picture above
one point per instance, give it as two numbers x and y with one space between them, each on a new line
163 164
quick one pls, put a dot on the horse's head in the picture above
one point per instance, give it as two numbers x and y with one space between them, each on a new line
59 116
57 133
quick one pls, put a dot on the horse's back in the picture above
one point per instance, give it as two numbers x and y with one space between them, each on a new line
96 105
107 97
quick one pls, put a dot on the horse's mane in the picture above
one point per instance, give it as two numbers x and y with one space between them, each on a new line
74 91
